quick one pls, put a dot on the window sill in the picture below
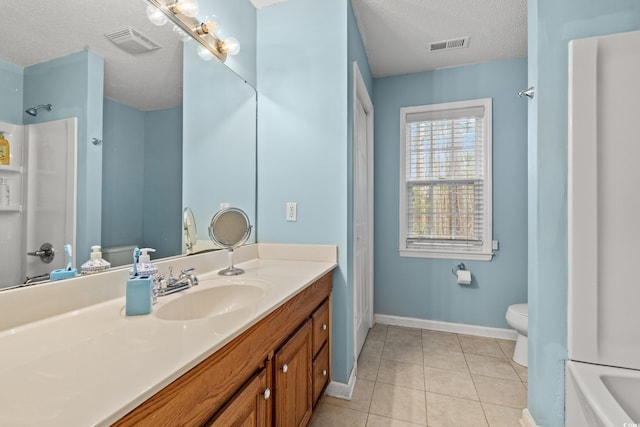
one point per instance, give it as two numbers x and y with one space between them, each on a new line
440 254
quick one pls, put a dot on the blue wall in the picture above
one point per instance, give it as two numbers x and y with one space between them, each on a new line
424 288
303 142
123 182
162 183
74 85
142 183
11 93
552 25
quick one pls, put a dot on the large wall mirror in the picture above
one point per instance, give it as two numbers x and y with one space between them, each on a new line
157 129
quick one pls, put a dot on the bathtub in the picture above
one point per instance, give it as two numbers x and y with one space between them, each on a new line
599 396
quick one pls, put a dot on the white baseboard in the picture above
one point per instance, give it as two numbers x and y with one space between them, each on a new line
436 325
342 390
527 420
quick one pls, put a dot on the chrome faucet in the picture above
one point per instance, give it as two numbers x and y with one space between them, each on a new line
185 280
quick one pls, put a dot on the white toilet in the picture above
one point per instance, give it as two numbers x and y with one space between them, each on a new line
518 318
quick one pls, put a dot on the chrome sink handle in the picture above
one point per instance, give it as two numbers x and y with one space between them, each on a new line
189 274
172 285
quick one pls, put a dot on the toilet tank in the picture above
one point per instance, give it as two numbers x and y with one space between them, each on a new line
119 255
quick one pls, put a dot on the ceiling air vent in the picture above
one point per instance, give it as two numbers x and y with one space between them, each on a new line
132 41
449 44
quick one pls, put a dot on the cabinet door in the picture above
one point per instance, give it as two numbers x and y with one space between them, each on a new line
293 383
249 407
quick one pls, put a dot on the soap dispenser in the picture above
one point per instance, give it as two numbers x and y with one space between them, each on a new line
146 268
139 290
95 264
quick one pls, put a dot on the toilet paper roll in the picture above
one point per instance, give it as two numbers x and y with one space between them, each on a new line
464 277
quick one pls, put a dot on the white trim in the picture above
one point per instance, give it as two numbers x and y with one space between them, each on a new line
431 253
458 328
342 390
361 93
483 253
527 420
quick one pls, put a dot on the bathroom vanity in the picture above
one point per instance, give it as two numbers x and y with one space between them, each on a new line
262 358
274 370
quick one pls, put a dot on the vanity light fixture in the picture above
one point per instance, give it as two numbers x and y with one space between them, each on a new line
205 32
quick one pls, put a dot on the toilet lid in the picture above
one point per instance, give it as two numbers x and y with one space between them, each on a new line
520 310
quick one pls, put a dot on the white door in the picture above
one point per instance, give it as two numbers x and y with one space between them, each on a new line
51 191
362 212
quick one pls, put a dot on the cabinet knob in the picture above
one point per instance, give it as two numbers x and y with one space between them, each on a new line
267 394
285 368
324 372
324 326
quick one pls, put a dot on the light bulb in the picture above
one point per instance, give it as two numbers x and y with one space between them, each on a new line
187 8
182 35
156 16
212 23
231 45
204 53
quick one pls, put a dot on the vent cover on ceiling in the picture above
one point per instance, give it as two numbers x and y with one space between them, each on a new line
132 41
449 44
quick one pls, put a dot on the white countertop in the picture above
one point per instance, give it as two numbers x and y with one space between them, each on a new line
92 365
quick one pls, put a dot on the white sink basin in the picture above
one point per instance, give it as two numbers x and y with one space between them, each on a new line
227 297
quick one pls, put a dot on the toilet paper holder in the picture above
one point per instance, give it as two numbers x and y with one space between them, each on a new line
456 268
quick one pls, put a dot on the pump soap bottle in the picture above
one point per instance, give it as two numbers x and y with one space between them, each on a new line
139 290
95 264
146 268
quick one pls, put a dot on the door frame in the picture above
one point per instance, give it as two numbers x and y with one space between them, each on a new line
360 93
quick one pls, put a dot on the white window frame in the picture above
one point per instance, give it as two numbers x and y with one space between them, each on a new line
482 252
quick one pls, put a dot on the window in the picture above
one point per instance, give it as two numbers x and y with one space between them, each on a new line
445 184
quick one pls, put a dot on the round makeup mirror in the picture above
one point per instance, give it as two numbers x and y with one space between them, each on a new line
190 231
229 229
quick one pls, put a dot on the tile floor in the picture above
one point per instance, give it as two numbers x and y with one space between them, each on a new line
414 377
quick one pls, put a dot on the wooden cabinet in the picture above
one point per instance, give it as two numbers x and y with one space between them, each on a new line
320 319
293 382
249 408
228 388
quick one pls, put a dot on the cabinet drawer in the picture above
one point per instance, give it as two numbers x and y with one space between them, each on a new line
320 372
320 326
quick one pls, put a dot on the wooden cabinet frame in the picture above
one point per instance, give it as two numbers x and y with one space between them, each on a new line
198 395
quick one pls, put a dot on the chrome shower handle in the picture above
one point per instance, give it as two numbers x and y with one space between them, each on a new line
46 253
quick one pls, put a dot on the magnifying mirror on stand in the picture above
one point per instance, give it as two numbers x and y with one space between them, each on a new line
190 231
229 229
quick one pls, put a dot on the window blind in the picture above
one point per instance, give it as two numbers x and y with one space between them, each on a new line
444 178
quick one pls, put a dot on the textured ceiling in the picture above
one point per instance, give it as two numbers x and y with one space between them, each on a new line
35 31
396 33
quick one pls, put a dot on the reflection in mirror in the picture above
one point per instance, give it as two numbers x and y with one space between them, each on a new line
229 229
129 187
190 229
